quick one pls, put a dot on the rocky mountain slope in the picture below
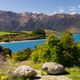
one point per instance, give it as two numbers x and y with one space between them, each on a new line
10 21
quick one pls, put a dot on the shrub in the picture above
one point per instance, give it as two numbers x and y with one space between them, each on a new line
5 76
6 39
4 53
39 32
62 50
22 55
34 56
7 51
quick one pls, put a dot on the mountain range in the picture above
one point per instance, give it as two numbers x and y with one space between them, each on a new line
11 21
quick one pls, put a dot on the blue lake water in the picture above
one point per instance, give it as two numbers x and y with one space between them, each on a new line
77 37
18 46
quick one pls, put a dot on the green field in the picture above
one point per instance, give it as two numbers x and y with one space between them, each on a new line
18 36
48 32
6 33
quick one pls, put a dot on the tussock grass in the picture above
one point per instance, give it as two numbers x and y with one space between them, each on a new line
74 73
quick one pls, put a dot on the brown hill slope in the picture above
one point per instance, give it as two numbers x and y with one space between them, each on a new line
10 21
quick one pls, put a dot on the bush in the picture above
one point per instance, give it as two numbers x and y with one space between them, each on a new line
22 55
5 76
7 51
62 50
39 32
36 54
6 39
4 53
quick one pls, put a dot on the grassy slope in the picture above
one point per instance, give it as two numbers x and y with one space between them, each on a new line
9 66
74 73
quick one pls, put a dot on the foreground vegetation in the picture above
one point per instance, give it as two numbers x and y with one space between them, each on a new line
74 73
7 69
61 49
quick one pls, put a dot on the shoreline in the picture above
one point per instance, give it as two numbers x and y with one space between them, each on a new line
21 41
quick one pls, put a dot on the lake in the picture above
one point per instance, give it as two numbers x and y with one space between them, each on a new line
77 37
20 45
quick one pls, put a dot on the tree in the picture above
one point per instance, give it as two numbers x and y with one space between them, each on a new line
46 52
6 39
39 32
62 50
53 40
67 40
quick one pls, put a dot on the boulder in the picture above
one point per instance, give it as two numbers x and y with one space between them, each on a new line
50 77
53 68
25 71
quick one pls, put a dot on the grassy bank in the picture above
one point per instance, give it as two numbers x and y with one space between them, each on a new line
19 36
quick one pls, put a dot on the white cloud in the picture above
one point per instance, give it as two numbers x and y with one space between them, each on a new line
55 12
72 8
34 11
72 13
61 10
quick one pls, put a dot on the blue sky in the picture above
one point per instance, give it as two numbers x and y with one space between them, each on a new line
41 6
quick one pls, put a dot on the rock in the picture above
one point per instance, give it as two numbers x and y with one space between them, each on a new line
49 77
25 71
53 68
53 77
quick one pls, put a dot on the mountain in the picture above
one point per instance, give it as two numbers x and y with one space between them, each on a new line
11 21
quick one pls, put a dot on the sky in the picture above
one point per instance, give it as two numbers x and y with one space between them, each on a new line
41 6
